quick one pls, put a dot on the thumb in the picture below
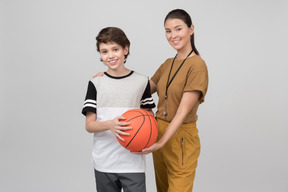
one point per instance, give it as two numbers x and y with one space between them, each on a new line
122 118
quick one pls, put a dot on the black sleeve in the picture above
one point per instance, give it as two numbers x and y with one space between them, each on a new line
147 100
90 103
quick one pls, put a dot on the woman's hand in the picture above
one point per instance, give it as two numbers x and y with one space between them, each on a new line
150 149
118 128
100 74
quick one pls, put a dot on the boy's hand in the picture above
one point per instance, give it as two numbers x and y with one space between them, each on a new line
118 128
100 74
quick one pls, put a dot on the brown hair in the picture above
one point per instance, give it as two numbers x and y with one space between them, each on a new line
185 17
113 34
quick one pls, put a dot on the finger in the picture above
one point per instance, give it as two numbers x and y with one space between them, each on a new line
122 133
118 136
126 128
124 123
121 128
139 153
147 150
121 117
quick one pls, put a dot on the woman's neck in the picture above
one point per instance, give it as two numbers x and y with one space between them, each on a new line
182 53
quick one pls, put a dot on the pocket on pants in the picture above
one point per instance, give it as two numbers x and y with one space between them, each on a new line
182 143
190 149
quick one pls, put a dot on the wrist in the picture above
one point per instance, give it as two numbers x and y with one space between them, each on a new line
107 124
160 143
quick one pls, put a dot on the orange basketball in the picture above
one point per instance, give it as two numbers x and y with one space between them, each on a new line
144 130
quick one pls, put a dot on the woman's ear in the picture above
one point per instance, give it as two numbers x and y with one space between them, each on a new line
191 29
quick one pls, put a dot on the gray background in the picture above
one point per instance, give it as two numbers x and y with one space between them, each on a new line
48 55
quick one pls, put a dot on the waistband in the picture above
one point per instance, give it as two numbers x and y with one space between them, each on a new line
184 126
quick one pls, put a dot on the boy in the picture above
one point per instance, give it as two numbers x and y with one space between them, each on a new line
119 90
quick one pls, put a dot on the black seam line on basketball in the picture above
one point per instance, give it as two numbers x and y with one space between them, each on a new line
147 114
150 128
137 130
137 110
150 133
137 116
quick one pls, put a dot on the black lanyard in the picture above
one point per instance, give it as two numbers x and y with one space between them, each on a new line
169 82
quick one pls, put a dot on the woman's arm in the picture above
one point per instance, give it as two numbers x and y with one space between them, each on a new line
188 100
153 87
149 110
117 127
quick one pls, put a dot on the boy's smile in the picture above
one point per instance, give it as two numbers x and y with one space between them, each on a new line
113 62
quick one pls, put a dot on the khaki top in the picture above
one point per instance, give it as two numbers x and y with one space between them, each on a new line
193 76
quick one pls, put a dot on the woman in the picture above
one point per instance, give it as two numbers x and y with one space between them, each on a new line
181 83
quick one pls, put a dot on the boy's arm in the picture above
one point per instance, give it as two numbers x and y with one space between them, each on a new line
117 127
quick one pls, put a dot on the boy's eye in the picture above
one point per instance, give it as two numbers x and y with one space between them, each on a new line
116 50
103 52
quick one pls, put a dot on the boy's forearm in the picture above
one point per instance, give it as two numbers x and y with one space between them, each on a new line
95 126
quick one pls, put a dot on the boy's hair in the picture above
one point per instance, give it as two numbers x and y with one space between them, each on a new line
113 34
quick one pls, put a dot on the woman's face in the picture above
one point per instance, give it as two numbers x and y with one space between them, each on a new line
178 34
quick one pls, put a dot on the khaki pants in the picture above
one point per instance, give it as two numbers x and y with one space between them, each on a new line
176 162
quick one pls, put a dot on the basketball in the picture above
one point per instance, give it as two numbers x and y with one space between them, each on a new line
144 130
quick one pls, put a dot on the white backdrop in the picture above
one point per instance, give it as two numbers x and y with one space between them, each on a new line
48 54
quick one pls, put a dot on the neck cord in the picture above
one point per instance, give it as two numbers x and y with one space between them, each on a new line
169 82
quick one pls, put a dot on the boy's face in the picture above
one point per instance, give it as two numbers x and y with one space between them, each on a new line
113 55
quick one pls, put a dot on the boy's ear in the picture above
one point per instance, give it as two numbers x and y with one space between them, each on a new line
126 50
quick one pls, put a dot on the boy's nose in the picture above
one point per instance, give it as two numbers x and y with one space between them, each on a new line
111 55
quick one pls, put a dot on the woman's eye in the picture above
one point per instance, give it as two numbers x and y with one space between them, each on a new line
179 29
168 31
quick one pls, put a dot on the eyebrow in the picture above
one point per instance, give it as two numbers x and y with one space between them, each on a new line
174 27
116 46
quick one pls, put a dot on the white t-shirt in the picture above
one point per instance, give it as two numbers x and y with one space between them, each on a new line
109 97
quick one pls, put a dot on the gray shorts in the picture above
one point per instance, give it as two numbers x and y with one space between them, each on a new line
114 182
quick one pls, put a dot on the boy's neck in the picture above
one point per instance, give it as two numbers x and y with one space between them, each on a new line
119 72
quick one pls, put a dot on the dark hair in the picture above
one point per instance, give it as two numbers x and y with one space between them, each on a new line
113 34
185 17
